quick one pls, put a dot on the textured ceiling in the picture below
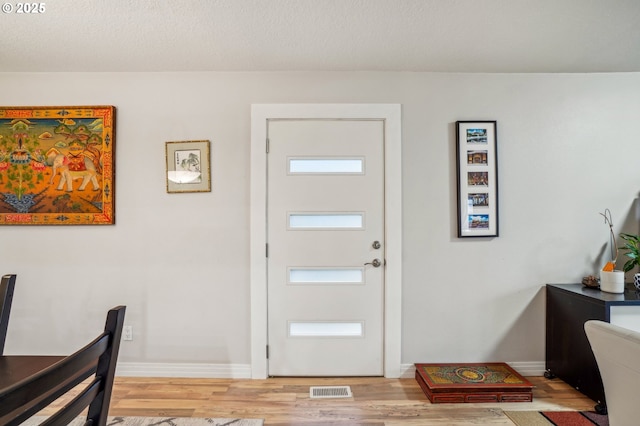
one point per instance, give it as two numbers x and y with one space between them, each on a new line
389 35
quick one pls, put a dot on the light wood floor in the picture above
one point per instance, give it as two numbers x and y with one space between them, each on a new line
285 401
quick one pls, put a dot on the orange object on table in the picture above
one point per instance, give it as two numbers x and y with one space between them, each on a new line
609 267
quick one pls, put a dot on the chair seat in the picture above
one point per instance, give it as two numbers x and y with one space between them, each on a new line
617 353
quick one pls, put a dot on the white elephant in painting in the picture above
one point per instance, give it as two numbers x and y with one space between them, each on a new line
60 163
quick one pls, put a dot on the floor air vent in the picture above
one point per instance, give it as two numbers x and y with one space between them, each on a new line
330 392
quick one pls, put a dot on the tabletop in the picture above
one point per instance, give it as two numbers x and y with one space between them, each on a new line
631 296
14 368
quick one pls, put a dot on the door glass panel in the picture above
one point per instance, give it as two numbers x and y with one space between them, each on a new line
325 275
326 329
326 165
326 221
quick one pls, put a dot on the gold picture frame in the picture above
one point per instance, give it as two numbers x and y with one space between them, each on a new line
57 165
188 166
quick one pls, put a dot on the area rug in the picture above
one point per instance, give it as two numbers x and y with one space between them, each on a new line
159 421
475 382
557 418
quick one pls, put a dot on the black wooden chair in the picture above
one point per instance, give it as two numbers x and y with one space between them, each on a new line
7 284
97 359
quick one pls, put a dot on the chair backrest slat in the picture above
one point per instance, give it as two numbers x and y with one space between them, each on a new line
97 358
7 285
76 406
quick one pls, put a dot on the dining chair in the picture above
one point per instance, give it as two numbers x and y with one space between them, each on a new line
86 375
617 352
7 284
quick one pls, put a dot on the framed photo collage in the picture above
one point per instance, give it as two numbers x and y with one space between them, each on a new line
477 167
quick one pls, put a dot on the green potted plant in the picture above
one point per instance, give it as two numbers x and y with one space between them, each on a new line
632 247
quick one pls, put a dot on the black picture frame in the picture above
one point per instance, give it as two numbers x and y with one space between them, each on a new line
477 178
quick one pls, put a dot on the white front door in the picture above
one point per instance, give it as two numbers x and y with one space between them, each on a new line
326 248
391 115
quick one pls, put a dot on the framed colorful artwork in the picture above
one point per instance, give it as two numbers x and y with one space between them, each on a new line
477 167
188 166
57 165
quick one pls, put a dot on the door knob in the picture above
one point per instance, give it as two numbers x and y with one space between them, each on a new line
375 262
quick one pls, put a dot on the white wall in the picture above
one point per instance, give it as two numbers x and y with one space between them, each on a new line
567 149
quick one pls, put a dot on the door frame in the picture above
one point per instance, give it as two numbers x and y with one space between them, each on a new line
391 114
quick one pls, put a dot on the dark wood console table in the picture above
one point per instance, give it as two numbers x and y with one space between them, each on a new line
568 353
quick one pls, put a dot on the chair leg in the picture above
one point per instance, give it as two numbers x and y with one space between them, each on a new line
600 408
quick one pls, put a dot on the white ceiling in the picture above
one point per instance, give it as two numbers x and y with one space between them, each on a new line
385 35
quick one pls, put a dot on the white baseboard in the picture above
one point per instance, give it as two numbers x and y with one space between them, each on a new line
528 368
523 368
243 371
204 371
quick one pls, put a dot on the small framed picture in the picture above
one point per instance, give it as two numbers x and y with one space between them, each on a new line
477 175
188 166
